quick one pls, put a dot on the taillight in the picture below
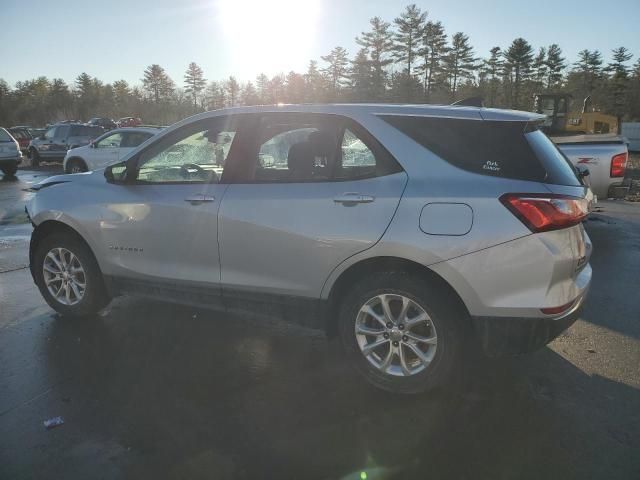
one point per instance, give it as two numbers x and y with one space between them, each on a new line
543 212
618 164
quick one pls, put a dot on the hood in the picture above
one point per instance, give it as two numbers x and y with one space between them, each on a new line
69 178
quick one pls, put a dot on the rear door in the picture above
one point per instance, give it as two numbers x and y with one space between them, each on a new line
315 190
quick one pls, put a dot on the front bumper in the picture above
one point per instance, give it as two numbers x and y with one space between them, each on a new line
514 336
11 160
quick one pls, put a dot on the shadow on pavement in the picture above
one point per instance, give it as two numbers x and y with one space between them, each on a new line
152 390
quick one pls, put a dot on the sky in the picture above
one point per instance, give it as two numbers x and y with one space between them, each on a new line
118 39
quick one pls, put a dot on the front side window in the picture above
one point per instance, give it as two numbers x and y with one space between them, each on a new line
196 153
110 141
50 134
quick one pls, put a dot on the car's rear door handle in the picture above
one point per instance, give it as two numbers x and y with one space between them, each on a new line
353 198
199 198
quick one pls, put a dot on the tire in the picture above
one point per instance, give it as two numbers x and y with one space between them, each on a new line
35 157
10 170
93 298
76 165
445 325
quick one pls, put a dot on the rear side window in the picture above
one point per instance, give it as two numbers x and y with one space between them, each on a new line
499 149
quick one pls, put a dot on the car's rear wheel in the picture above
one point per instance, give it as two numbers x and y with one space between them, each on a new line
35 158
401 332
10 170
68 276
76 165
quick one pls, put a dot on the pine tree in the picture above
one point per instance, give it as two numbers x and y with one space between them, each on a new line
157 83
294 87
459 62
262 85
378 43
314 83
362 77
555 65
519 58
337 69
216 97
276 89
232 88
619 80
493 68
539 68
249 94
433 51
194 82
410 25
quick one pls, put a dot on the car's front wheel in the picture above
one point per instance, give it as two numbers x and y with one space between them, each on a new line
401 332
76 165
68 276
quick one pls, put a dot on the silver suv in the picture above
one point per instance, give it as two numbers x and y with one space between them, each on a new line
407 231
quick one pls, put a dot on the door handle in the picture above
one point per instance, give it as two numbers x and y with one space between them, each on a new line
199 198
353 198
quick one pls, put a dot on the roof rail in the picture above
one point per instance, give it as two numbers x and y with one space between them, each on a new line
469 102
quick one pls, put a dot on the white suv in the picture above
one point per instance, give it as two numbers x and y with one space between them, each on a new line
405 230
106 149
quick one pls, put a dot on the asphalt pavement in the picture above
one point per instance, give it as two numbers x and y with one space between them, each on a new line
152 390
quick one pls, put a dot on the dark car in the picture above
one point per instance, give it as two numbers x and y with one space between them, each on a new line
54 143
23 136
129 122
103 122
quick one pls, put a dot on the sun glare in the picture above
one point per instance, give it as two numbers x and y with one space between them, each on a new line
269 36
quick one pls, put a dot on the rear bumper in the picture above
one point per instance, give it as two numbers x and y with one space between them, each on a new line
513 336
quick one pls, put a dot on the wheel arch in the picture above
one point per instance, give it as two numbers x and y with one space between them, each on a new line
75 159
385 264
50 227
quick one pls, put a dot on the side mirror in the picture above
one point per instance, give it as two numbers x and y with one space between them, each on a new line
116 173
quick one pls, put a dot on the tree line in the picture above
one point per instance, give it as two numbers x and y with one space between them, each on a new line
410 59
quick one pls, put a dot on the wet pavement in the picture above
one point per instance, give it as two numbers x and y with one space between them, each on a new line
151 390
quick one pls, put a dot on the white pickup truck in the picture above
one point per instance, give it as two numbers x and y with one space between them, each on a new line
604 155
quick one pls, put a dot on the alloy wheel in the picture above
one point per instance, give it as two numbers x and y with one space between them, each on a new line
64 276
396 335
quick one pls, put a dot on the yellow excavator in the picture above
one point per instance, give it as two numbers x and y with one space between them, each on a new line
560 121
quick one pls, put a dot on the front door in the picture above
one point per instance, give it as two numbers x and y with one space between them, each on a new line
163 225
105 151
316 190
